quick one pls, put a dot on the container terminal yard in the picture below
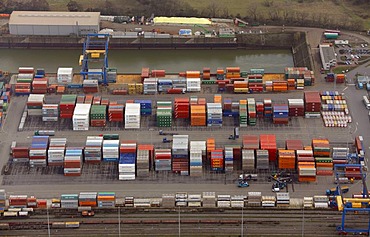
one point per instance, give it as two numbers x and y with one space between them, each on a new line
224 151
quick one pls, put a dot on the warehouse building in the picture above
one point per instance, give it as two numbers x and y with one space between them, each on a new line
328 57
53 23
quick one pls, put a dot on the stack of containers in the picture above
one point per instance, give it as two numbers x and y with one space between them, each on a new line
24 80
65 75
296 107
229 159
206 73
291 84
306 166
254 199
252 115
115 112
294 145
162 159
217 160
300 84
67 105
132 116
182 108
321 152
144 73
334 109
232 72
87 199
340 155
20 154
268 142
38 151
211 145
287 159
209 199
127 161
145 106
150 86
260 109
223 201
267 103
198 115
17 201
280 114
179 84
98 116
262 159
144 160
243 114
255 83
80 117
158 73
193 84
192 74
220 74
197 150
312 104
257 71
111 150
106 199
279 86
180 154
227 107
73 161
90 86
268 86
95 74
112 75
241 87
164 114
93 149
235 109
34 104
39 84
248 160
340 78
69 201
57 147
250 142
2 200
168 200
214 115
50 112
164 85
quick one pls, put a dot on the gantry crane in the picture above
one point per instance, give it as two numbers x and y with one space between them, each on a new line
352 205
95 49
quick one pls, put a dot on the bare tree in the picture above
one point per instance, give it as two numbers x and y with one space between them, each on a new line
252 10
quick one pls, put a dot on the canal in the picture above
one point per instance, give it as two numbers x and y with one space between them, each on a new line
129 61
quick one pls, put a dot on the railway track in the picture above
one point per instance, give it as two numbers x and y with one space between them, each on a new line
261 222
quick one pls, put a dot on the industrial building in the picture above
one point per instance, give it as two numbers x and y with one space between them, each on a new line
53 23
328 57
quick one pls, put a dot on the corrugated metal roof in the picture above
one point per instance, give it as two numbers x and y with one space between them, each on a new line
53 18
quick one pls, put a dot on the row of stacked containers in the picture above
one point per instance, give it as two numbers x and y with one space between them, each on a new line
256 153
34 81
93 111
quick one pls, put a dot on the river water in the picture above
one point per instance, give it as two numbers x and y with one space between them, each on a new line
129 61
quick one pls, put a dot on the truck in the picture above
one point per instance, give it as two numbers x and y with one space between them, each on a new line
87 213
335 191
162 133
44 133
165 140
278 186
248 177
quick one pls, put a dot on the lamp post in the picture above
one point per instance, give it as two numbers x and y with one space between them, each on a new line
47 214
242 226
119 221
179 223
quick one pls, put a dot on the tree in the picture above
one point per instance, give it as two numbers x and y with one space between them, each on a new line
74 6
252 10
